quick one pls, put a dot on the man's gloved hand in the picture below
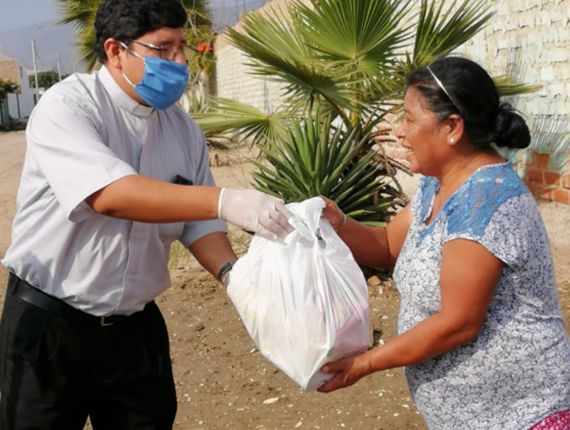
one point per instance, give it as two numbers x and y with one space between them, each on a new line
255 211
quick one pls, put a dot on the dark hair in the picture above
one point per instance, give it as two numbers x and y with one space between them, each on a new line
473 91
129 19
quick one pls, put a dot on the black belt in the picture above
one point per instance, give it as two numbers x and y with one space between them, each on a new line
34 296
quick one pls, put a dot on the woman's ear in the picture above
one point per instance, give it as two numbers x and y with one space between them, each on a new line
113 49
456 129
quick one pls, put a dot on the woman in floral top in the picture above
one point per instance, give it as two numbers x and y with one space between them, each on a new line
481 334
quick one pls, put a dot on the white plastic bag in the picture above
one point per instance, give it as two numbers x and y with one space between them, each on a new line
304 301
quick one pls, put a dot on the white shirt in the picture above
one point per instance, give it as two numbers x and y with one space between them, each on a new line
84 134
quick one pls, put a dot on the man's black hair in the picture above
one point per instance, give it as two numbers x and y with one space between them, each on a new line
129 19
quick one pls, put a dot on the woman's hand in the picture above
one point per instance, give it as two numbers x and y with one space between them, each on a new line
333 214
348 371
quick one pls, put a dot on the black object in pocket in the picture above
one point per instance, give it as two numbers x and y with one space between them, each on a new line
181 180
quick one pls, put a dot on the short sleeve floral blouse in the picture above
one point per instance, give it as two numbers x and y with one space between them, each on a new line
517 371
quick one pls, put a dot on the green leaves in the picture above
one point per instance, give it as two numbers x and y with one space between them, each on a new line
356 37
7 86
349 58
278 51
441 29
246 121
340 62
317 159
338 56
510 86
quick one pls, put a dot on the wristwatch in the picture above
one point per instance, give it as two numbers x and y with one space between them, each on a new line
224 271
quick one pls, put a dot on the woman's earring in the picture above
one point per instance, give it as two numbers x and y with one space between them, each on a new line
451 140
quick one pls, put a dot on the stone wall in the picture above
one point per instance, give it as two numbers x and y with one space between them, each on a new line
533 36
233 77
529 37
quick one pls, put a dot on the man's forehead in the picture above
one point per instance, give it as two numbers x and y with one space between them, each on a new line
164 35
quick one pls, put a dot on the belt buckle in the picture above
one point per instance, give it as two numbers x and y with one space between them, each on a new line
104 323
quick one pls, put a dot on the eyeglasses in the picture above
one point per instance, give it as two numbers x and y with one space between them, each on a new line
440 85
170 53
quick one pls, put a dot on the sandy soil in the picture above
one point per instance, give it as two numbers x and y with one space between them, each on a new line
222 381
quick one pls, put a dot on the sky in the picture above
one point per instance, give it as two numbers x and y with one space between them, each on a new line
23 20
21 13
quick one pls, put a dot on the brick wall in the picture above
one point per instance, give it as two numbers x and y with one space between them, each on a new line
233 76
544 181
9 70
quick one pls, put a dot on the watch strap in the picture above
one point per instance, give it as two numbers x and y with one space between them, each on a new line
225 269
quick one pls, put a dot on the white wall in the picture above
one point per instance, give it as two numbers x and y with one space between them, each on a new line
25 99
537 32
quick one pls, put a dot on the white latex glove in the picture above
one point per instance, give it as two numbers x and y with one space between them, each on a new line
255 211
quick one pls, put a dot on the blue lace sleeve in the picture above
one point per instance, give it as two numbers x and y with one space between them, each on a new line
422 200
483 210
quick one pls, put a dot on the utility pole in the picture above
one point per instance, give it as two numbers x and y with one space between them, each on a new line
58 70
35 71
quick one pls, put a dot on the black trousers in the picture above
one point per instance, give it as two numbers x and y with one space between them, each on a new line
55 372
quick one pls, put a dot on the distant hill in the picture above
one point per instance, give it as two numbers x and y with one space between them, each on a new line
226 12
51 40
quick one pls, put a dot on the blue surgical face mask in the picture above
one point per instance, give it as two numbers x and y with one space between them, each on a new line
163 81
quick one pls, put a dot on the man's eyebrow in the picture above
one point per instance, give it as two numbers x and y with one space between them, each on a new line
168 42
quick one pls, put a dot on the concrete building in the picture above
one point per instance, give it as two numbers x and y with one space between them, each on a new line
20 105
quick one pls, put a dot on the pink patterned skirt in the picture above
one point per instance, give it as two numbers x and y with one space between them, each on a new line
557 421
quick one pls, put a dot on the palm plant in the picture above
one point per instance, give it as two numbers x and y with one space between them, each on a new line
340 62
317 158
7 86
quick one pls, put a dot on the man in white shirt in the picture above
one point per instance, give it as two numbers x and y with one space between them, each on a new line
114 173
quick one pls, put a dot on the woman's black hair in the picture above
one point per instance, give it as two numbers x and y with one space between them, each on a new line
471 88
126 20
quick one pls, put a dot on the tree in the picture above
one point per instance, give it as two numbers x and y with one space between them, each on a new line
45 79
342 64
7 86
200 35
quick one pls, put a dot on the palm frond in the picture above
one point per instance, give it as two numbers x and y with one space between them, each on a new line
359 37
86 42
317 159
231 116
278 51
444 27
79 13
509 86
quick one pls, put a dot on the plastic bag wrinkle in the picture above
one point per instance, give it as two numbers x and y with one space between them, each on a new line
303 304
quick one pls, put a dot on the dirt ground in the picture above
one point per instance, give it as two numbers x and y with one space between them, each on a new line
222 381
